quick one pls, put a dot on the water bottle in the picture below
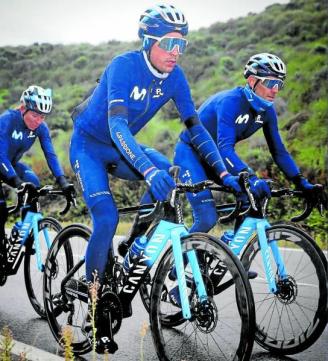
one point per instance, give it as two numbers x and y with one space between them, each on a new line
135 250
15 231
227 236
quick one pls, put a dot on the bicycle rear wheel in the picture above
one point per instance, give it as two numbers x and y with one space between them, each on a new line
33 276
62 309
293 319
225 328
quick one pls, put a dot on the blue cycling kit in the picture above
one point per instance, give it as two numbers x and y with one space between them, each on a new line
229 117
15 140
129 94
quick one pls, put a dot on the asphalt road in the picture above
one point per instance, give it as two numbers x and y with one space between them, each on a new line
18 314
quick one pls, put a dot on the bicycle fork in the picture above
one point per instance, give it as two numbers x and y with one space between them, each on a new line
181 276
266 256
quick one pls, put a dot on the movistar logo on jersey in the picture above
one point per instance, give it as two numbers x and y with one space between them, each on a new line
137 94
31 135
16 135
258 119
158 93
242 119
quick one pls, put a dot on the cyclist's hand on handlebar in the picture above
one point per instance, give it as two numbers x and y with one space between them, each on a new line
313 192
67 188
160 183
259 187
302 184
26 187
231 181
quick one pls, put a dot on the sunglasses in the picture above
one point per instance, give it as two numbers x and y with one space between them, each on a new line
272 83
170 43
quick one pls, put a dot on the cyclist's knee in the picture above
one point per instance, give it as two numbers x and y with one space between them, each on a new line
30 176
104 217
205 218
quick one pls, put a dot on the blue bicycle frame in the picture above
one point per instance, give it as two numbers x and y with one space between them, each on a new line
30 222
248 228
164 232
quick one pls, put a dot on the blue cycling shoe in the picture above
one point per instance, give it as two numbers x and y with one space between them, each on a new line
251 274
174 295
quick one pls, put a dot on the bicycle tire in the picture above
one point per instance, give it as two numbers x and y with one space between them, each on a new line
70 244
296 227
231 334
302 299
32 275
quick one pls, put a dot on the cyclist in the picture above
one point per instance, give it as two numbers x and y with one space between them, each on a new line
19 129
132 88
231 116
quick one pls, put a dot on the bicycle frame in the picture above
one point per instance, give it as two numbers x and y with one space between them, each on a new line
247 230
30 222
164 232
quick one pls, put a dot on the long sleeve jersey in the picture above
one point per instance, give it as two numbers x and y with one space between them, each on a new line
129 94
16 139
229 118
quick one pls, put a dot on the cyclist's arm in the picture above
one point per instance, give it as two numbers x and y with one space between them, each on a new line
118 80
6 169
48 150
226 136
279 153
199 136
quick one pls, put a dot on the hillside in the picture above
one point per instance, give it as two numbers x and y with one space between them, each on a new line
297 32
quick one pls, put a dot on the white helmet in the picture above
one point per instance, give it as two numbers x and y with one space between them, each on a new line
37 99
264 65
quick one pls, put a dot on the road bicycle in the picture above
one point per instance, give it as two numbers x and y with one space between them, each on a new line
290 290
217 322
29 239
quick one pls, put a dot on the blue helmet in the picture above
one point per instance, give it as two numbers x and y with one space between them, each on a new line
37 99
160 20
265 65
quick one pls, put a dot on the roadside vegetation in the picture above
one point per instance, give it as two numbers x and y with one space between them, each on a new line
297 32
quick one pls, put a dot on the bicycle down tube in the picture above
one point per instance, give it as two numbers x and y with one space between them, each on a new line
164 232
30 222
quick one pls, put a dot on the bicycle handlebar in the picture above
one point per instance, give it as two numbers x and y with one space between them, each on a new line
25 196
239 209
308 206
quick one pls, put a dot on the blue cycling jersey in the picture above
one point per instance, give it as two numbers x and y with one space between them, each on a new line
130 82
229 118
129 94
16 139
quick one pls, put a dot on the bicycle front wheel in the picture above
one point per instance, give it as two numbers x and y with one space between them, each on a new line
32 274
222 327
62 309
291 320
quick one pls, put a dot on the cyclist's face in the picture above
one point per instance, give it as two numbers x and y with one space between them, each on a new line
262 91
32 119
163 60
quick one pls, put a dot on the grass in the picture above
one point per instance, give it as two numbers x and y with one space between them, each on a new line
6 344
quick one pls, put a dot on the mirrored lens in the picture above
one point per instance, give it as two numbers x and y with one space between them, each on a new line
271 83
168 44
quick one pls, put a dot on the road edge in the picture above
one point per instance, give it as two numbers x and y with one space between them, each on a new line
32 353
